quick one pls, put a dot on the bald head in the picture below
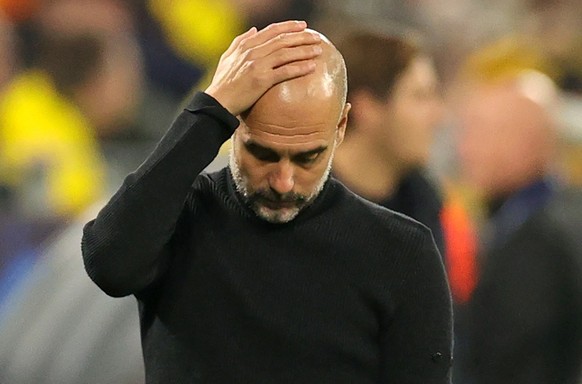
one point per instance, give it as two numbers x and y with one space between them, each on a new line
508 133
325 89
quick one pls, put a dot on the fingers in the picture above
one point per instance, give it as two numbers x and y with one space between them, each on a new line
289 55
237 40
284 41
256 60
278 35
274 30
292 70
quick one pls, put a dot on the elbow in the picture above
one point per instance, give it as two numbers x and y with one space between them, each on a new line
107 285
100 264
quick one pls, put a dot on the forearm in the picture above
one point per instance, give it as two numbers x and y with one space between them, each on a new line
124 248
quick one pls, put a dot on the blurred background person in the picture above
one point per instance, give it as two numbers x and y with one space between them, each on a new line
52 113
396 109
81 84
525 316
80 87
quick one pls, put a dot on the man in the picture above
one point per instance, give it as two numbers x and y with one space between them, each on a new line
268 271
526 312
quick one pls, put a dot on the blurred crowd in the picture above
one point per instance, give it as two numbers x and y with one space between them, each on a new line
484 146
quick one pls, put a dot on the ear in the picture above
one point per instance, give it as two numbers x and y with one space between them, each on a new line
341 127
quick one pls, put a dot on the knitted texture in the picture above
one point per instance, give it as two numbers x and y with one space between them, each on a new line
347 292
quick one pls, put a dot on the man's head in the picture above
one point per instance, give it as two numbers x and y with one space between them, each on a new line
89 49
393 91
283 148
507 133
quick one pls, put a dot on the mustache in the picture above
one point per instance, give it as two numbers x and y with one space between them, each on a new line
274 197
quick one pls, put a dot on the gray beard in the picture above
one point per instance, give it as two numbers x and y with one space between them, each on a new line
274 216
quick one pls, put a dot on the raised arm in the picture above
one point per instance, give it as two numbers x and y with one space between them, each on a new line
127 247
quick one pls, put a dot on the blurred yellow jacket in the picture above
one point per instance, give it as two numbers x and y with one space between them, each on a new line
44 135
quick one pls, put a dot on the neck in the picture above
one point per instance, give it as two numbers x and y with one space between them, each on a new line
365 170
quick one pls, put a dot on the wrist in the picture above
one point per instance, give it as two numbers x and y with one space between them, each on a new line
222 100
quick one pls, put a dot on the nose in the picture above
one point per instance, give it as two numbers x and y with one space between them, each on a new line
281 179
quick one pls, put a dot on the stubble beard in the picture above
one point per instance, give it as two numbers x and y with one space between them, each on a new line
256 199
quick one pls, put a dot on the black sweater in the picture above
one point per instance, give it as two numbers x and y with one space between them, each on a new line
348 292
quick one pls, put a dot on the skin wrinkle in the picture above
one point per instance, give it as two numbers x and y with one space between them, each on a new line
285 127
286 142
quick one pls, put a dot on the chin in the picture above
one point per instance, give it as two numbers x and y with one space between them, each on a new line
276 216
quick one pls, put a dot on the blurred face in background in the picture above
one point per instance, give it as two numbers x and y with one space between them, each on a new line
393 88
504 140
411 113
111 91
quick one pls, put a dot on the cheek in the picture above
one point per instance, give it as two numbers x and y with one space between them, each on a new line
480 159
409 134
255 173
307 179
420 120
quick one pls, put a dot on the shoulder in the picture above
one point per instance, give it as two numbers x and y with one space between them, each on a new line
566 208
547 246
562 220
395 226
209 181
206 187
559 220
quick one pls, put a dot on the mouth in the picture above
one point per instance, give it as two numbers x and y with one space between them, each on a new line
276 205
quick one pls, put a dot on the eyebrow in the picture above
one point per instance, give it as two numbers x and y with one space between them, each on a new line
257 148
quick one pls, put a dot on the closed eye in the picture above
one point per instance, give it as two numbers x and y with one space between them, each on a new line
268 155
262 153
309 157
305 159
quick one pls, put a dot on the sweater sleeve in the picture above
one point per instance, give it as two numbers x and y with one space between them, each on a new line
125 248
417 341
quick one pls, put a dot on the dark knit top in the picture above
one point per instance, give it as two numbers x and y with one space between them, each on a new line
348 292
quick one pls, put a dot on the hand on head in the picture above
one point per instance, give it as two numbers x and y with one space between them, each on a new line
257 60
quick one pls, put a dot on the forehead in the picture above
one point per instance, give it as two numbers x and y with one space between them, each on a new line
421 71
295 126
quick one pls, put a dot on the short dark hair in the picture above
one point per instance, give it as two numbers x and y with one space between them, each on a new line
375 60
